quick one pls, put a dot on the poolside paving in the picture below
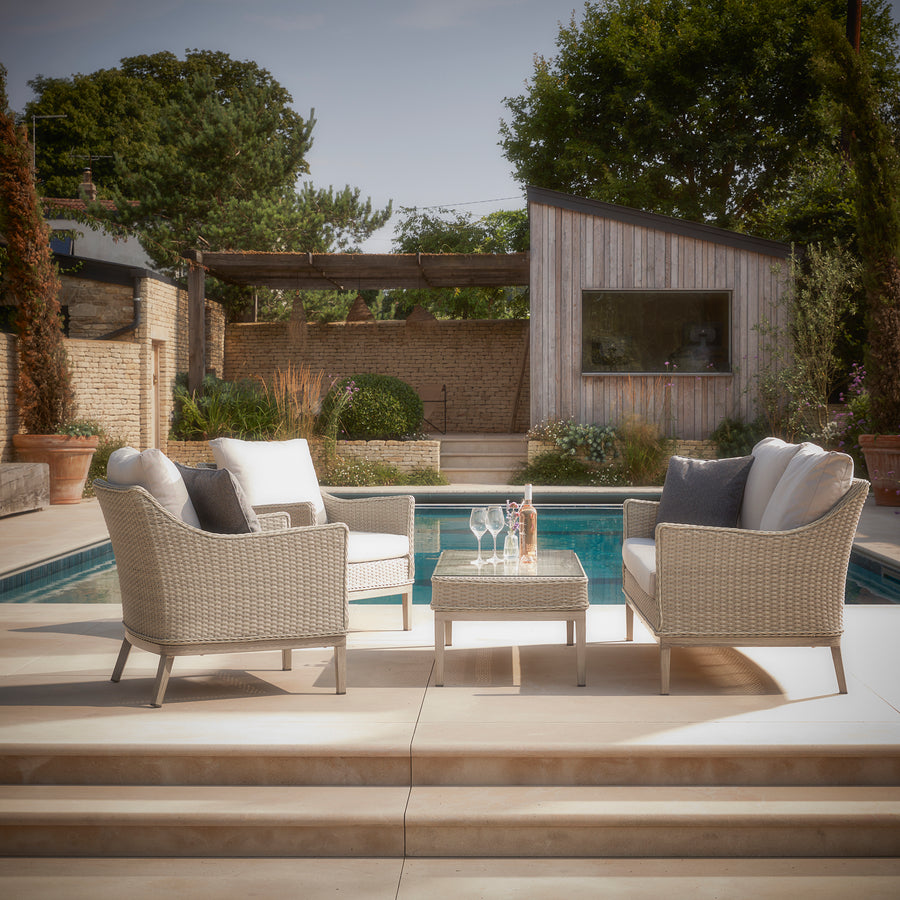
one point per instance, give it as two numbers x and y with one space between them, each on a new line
467 772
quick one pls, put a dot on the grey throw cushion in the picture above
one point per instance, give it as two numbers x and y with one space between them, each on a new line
704 491
218 500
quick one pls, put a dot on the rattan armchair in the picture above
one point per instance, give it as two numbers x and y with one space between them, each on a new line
190 592
741 588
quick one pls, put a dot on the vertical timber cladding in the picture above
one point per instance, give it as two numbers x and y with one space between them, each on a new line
581 245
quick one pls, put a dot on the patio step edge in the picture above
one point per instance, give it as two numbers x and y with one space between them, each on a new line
106 821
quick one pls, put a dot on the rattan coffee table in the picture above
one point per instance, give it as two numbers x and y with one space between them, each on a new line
555 589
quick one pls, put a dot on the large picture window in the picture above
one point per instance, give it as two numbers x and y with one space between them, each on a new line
656 331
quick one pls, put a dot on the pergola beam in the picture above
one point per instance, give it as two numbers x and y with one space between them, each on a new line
341 271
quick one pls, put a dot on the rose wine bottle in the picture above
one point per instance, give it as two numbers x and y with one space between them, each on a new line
527 529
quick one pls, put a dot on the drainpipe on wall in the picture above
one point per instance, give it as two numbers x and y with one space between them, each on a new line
134 323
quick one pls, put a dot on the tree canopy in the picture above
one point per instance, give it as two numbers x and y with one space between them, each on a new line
703 109
200 152
447 231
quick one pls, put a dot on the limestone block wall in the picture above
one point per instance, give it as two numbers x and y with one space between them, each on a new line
9 419
483 363
106 379
125 383
95 308
403 455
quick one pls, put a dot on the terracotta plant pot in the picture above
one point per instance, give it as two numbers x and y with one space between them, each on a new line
882 453
69 459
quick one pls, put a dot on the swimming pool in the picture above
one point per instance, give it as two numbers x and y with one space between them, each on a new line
593 532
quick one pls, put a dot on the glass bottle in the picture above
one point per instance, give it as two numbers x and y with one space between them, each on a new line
527 529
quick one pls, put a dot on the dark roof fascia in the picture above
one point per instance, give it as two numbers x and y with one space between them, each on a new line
107 272
629 216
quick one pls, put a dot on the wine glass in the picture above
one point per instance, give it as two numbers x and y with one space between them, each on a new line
478 526
495 522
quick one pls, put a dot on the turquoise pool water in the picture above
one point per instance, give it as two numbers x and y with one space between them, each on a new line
593 532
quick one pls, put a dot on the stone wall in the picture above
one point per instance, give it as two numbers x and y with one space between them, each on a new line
403 455
106 379
95 308
483 363
125 384
9 418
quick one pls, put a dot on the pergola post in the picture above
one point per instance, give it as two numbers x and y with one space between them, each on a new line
196 322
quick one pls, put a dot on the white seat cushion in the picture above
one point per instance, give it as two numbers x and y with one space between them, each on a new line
770 458
814 480
271 472
156 473
639 557
371 546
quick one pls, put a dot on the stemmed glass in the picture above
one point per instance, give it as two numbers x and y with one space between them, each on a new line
478 526
495 522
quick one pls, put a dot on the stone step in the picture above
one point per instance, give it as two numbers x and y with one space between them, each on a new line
465 475
465 822
450 879
446 755
662 822
212 821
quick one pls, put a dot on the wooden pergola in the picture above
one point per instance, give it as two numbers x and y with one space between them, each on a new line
339 271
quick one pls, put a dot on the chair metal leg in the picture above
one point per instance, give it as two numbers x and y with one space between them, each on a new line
839 669
286 659
580 649
440 636
629 622
407 608
665 668
340 668
162 679
124 650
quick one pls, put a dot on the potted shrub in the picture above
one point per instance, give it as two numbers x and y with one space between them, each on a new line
44 396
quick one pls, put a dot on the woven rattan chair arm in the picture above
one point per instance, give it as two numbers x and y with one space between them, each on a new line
274 521
388 515
639 518
300 513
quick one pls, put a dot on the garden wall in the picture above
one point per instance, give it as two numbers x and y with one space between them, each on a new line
403 455
483 363
9 419
124 384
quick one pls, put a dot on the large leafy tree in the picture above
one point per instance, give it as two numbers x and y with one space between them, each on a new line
701 109
448 231
202 152
876 165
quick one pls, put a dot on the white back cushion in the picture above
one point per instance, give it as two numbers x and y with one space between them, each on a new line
814 480
771 457
155 472
271 472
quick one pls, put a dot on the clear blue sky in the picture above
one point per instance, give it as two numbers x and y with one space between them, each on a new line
408 93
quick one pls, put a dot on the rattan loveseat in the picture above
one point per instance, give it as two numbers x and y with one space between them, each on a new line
740 586
187 591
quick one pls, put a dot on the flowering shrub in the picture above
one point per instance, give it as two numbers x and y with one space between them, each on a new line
598 441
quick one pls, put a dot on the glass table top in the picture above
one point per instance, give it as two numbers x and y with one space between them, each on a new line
550 564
